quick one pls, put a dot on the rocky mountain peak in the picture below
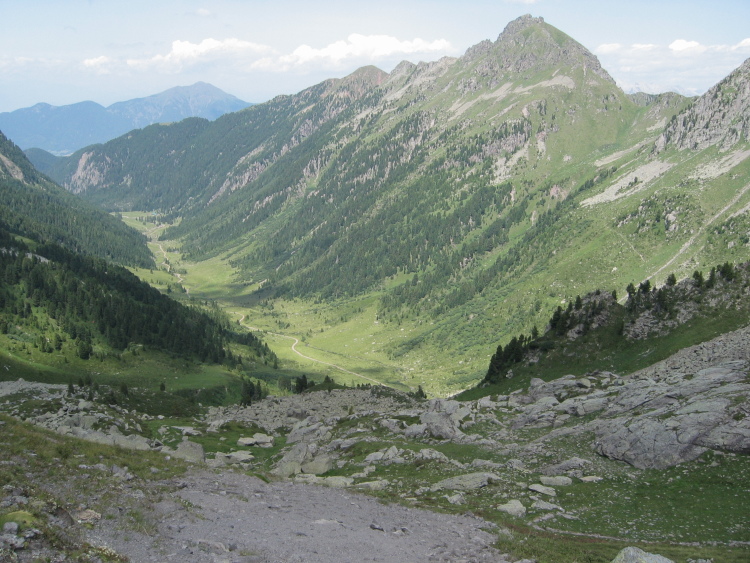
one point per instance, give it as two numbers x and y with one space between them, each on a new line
720 117
528 43
360 82
518 25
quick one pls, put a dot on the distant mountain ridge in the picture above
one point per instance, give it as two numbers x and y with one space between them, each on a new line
62 130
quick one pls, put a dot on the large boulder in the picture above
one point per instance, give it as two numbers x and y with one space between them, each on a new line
635 555
466 482
190 451
513 507
318 465
657 424
308 430
441 425
258 439
292 461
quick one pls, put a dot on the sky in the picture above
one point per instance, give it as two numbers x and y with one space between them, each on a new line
66 51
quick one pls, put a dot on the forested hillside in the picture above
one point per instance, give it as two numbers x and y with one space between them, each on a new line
34 207
54 296
597 332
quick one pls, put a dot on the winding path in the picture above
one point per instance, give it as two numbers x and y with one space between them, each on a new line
178 275
300 354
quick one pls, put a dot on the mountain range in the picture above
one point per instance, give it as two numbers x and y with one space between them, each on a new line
64 129
443 207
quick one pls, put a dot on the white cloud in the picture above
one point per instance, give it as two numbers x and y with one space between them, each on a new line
683 46
244 56
608 48
203 12
684 66
101 64
356 47
185 53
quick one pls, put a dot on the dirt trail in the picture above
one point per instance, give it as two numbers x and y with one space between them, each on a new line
300 354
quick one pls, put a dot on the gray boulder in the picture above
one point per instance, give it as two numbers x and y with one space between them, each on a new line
543 489
308 430
415 430
291 463
557 481
258 439
318 465
466 482
513 507
635 555
441 425
190 451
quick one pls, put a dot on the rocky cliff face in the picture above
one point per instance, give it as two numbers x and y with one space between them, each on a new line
720 117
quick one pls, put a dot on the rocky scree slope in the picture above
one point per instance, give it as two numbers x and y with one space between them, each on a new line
720 117
526 456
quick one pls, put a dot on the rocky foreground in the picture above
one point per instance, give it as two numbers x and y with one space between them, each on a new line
507 457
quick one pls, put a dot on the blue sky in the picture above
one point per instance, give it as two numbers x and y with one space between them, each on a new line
65 51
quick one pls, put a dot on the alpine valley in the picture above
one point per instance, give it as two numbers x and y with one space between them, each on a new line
567 262
414 219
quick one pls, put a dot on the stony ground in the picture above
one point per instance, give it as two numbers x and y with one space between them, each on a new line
508 455
238 518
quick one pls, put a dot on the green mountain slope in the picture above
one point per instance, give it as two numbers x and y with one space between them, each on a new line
34 207
65 303
468 195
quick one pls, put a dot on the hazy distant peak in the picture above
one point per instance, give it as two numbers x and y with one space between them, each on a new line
65 129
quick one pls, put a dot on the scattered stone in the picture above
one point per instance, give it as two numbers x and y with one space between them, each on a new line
513 507
544 505
559 481
377 485
190 451
441 425
565 466
239 457
542 489
188 431
415 430
466 482
374 456
258 439
431 455
635 555
456 499
318 465
337 482
516 464
486 464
